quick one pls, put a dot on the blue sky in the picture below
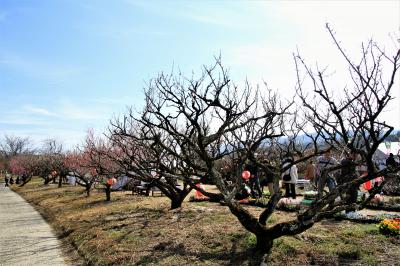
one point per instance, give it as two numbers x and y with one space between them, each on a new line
69 65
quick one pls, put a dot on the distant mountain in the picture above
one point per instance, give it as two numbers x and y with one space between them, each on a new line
394 137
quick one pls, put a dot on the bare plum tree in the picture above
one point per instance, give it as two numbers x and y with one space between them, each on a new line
190 124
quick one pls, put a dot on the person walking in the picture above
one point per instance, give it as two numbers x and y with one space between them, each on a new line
289 176
323 173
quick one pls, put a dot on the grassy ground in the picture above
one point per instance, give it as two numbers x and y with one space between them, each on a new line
138 230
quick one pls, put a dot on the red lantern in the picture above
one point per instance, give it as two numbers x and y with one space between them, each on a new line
368 185
246 175
111 181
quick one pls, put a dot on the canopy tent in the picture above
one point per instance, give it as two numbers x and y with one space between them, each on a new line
389 147
384 149
121 182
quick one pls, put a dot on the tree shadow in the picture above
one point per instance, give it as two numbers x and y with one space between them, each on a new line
167 249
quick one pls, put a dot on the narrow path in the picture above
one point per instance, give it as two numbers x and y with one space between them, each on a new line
25 238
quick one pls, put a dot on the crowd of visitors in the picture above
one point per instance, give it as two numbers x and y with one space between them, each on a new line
325 171
9 180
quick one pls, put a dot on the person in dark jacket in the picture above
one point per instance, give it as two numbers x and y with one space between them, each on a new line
390 161
348 173
254 181
24 177
244 191
289 176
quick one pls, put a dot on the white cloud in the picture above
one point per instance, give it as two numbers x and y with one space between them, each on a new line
354 22
217 20
69 138
219 14
37 110
303 22
68 109
23 122
120 102
263 62
64 109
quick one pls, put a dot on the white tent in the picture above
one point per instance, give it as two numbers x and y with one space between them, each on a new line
71 180
121 182
390 147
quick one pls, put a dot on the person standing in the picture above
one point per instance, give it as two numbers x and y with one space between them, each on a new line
390 161
310 171
289 176
6 180
348 173
323 173
24 177
270 178
254 181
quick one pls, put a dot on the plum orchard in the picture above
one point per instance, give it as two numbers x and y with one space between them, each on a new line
207 126
190 124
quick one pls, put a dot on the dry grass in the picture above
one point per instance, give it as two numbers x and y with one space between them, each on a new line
137 230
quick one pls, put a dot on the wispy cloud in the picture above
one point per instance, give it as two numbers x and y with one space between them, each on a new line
217 15
68 109
206 18
69 138
22 122
119 101
38 69
124 32
26 115
37 110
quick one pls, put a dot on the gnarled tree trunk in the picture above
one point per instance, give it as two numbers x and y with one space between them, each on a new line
178 198
87 188
108 192
60 178
264 244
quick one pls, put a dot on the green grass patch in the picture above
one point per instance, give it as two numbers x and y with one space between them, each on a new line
350 253
251 241
369 259
287 245
361 230
201 203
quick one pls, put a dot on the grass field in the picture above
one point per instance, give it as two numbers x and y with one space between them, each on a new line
138 230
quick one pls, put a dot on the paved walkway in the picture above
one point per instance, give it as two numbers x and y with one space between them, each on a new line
25 238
